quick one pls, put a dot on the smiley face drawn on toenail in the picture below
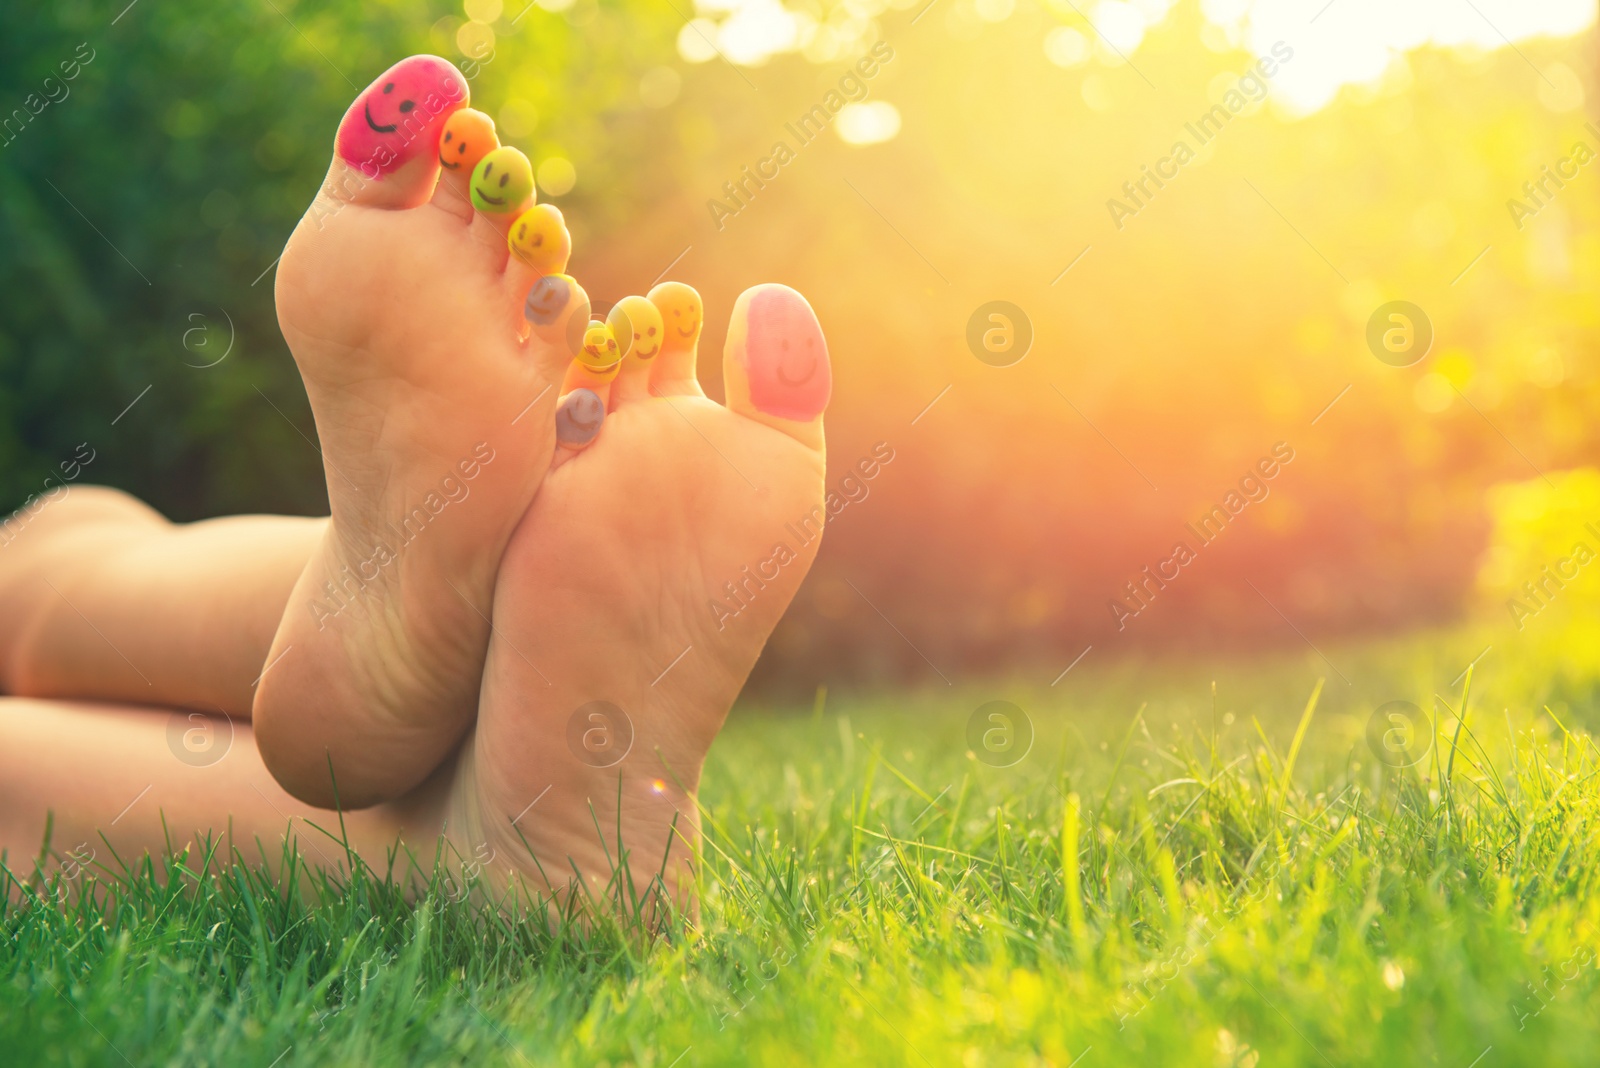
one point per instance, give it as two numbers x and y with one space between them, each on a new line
400 114
784 354
600 352
539 238
636 324
546 299
681 311
781 367
579 417
468 137
502 180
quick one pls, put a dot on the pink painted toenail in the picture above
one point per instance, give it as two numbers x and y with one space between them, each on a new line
400 114
785 355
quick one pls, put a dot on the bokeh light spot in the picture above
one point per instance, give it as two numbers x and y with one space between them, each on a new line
868 122
556 176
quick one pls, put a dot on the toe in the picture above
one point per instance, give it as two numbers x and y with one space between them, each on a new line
467 137
636 324
539 244
557 311
775 366
386 152
501 189
578 418
682 315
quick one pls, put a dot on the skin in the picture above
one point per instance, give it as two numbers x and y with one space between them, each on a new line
502 181
432 399
671 518
433 443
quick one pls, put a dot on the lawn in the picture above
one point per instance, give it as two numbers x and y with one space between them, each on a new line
1196 863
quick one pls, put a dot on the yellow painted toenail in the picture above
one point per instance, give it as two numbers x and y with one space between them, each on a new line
468 137
636 324
600 354
539 238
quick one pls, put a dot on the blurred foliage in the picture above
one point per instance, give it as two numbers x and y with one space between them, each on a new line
1540 568
1217 322
142 211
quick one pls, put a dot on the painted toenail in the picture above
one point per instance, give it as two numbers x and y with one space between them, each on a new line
579 417
539 238
785 355
681 311
377 135
513 186
599 352
546 299
635 322
471 137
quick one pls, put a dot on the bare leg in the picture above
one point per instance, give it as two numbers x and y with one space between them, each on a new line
103 599
106 769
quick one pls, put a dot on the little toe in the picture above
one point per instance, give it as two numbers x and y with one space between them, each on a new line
682 316
557 312
578 418
775 365
467 137
385 152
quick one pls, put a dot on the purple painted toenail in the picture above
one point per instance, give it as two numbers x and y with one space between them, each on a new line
579 417
785 355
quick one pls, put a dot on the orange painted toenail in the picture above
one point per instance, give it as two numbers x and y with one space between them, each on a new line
468 137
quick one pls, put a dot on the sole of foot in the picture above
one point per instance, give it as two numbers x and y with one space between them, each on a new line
634 599
422 298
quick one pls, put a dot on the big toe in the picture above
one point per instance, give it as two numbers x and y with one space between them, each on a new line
775 364
386 153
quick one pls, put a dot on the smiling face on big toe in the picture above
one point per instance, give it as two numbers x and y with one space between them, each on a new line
400 114
785 355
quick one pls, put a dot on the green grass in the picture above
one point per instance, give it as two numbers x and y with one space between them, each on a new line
1203 882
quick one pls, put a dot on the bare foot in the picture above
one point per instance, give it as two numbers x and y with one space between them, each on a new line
434 400
634 599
